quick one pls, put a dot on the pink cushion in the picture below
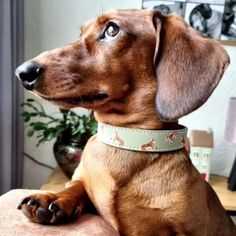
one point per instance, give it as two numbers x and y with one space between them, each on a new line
13 222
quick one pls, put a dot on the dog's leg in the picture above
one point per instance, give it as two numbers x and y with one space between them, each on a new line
55 208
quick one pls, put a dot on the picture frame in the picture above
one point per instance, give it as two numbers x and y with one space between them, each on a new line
213 18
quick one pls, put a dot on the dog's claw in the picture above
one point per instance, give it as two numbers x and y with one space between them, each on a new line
33 202
24 201
19 206
75 213
53 207
60 215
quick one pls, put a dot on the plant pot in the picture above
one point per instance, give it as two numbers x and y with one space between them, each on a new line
67 151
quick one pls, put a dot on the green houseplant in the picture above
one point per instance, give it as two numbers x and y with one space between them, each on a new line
70 130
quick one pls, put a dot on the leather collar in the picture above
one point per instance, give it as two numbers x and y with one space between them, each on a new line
142 140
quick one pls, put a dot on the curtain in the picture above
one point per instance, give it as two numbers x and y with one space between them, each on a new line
11 55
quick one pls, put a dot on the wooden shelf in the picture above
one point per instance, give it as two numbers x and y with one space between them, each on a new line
57 180
227 197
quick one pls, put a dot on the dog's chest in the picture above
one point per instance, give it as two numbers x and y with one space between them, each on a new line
109 178
128 187
101 173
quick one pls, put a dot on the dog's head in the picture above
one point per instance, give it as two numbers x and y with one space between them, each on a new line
123 52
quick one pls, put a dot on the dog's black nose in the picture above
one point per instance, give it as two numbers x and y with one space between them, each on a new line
29 73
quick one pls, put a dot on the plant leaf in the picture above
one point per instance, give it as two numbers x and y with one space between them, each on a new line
39 126
30 132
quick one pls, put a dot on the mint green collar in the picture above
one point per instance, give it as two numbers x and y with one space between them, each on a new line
142 140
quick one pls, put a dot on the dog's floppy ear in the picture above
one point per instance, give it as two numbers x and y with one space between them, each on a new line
188 67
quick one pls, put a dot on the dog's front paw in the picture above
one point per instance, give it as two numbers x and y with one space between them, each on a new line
49 208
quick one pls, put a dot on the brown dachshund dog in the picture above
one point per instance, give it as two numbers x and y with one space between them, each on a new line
136 69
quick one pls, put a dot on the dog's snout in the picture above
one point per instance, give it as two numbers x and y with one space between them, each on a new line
29 73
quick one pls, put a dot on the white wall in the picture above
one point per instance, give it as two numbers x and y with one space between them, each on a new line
49 24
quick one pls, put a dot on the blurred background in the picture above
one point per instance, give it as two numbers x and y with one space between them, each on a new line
30 27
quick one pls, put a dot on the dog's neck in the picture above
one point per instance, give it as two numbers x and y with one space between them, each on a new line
139 117
135 110
129 120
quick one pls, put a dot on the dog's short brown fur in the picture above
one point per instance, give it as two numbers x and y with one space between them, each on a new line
156 69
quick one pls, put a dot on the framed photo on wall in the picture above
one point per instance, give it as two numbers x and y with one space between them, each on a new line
213 18
166 7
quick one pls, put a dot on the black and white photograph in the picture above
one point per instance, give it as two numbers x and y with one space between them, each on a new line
229 21
206 18
166 7
213 18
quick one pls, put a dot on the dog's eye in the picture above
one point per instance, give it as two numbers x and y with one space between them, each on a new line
111 31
